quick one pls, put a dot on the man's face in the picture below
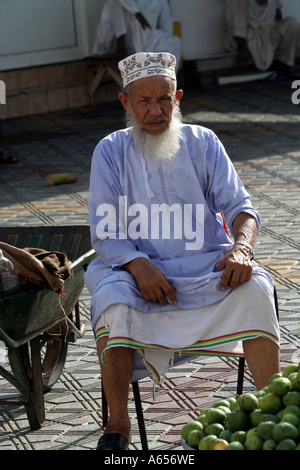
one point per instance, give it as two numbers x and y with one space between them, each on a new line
151 102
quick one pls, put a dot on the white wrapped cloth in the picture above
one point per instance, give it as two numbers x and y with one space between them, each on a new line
163 338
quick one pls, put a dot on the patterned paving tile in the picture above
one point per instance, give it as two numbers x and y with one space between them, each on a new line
260 130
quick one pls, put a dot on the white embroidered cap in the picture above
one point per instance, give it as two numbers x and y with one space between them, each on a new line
147 64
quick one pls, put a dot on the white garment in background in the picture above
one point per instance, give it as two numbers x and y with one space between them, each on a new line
118 19
267 38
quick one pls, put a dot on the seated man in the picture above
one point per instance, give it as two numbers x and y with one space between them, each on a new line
168 280
256 30
128 26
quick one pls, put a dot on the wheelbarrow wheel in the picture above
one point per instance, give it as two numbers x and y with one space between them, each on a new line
53 353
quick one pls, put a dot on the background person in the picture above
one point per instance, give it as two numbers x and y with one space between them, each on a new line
256 30
128 26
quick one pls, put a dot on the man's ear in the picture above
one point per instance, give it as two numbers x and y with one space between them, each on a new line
179 94
124 98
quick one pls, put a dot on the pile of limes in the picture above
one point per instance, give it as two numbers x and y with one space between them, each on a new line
265 420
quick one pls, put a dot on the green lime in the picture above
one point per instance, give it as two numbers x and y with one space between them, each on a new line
295 381
235 446
215 415
286 444
231 400
194 437
251 433
270 403
292 409
280 386
226 434
190 426
280 414
291 398
225 409
270 417
274 376
255 417
237 420
214 429
285 431
290 369
265 429
232 403
247 402
254 443
221 403
238 436
203 444
269 444
290 418
202 419
218 444
262 391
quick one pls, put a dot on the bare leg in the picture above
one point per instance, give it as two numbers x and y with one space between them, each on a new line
262 356
116 379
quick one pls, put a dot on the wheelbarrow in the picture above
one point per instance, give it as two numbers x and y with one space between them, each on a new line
36 324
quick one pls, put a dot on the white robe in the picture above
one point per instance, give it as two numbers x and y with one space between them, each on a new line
206 319
118 19
267 39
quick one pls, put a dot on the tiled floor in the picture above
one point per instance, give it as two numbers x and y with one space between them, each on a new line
259 127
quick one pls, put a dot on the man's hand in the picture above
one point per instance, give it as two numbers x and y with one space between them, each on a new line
237 267
144 23
150 281
236 264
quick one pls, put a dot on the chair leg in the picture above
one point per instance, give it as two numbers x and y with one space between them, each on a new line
139 413
104 407
276 303
240 379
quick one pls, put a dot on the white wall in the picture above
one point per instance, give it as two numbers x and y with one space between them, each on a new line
37 32
203 27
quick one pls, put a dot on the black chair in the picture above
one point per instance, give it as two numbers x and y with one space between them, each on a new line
137 396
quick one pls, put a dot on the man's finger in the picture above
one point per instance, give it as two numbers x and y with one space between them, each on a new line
226 277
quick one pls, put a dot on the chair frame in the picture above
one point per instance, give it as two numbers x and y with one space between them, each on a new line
137 396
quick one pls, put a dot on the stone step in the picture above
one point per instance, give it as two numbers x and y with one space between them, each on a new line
56 87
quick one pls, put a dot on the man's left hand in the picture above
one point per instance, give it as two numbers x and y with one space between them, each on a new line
237 267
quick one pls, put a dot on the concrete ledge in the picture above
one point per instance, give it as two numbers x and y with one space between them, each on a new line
56 87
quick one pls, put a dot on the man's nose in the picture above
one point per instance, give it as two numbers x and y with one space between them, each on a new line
155 109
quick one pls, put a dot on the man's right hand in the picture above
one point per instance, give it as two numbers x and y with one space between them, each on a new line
150 281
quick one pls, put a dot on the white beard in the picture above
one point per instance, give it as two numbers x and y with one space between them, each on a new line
163 146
